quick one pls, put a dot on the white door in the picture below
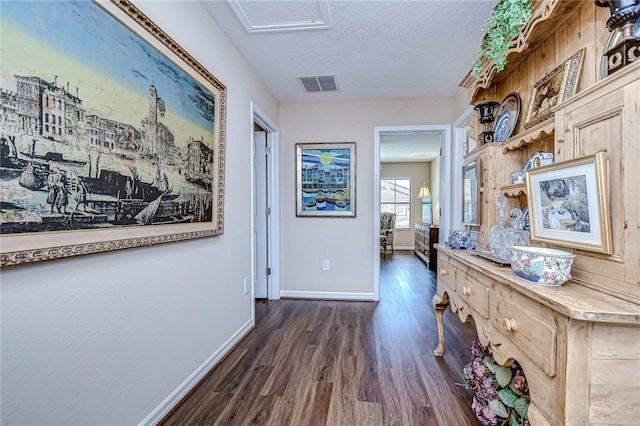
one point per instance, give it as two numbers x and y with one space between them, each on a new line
261 211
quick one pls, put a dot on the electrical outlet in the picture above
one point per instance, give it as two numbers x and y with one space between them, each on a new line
246 284
326 265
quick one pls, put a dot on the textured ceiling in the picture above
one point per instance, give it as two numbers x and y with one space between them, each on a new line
398 147
375 49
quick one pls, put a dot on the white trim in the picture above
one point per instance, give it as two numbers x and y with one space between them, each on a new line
185 387
376 213
323 295
446 141
457 158
445 185
273 140
406 248
320 24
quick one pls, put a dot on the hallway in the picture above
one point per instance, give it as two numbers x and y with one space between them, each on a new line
343 363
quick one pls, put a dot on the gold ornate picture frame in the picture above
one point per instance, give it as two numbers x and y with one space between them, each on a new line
112 135
555 88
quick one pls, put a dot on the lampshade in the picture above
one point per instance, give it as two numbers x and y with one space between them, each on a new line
424 191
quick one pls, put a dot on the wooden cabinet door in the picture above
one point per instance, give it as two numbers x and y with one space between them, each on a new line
609 120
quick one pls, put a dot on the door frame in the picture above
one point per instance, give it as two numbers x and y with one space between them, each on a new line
445 182
457 158
273 200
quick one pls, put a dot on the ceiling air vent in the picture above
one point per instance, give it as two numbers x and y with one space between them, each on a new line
319 83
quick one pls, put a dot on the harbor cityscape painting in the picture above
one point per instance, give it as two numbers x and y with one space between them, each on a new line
325 176
99 129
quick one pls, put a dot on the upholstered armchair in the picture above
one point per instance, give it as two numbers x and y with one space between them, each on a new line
387 225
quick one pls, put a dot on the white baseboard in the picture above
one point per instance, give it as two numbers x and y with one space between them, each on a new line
411 248
286 294
176 396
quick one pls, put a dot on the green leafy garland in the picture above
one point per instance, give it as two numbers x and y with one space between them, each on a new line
504 23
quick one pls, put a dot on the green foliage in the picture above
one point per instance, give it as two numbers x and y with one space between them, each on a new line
508 397
503 376
514 389
490 363
504 23
522 407
513 419
498 408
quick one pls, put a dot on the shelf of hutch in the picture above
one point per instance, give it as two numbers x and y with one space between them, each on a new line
515 190
481 149
529 136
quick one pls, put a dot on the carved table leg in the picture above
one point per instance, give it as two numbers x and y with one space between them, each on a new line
439 307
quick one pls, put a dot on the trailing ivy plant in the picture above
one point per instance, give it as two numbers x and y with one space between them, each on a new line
504 23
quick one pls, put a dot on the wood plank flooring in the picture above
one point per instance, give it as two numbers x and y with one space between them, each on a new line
342 363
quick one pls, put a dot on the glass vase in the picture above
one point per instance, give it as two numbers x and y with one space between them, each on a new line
497 242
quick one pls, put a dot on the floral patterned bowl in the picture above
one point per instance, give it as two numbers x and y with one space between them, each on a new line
541 265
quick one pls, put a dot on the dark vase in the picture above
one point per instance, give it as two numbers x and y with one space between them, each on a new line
486 111
624 17
486 119
622 12
617 5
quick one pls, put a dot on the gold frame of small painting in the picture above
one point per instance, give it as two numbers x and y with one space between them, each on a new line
555 88
569 204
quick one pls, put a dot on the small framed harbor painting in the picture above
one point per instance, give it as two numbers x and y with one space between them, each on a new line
325 179
112 135
569 204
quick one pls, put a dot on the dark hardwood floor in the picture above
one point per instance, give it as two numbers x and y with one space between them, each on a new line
342 363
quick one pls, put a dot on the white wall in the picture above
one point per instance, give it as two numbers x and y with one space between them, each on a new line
419 173
106 338
460 102
346 242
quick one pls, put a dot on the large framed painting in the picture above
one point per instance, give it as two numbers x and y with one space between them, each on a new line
569 204
112 135
553 89
325 179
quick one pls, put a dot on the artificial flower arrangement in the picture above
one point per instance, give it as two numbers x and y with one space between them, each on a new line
502 393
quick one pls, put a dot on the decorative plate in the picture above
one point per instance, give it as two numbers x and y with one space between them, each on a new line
525 218
502 128
538 159
507 117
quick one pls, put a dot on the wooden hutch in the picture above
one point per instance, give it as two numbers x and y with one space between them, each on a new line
579 344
